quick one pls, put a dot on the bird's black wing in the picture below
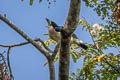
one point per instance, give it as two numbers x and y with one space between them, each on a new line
74 36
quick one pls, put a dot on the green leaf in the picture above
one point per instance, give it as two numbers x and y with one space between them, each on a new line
46 63
78 56
98 77
73 74
31 2
74 58
46 26
46 34
40 1
96 2
78 70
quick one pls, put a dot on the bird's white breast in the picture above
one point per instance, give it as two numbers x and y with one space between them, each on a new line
53 34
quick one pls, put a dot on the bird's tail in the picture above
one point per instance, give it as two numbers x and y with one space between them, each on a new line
81 44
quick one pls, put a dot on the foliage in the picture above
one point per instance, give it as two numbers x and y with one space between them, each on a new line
98 65
102 7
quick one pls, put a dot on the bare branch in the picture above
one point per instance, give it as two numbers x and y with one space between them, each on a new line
17 44
8 61
24 43
14 27
55 51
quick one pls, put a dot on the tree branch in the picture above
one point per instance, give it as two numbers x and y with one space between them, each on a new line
45 51
73 16
24 43
55 51
51 69
17 44
14 27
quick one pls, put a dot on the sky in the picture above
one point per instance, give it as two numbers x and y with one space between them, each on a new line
27 62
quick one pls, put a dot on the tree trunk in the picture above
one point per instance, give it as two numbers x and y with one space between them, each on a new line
66 32
64 59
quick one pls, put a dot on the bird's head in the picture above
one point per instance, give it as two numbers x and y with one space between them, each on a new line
48 21
51 23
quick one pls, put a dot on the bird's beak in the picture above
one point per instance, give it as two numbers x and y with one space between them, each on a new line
48 21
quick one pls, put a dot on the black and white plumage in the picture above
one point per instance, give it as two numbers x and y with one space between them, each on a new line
54 33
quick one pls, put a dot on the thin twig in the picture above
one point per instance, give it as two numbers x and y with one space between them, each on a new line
17 44
8 61
99 50
24 43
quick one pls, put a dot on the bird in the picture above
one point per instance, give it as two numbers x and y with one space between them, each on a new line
54 32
